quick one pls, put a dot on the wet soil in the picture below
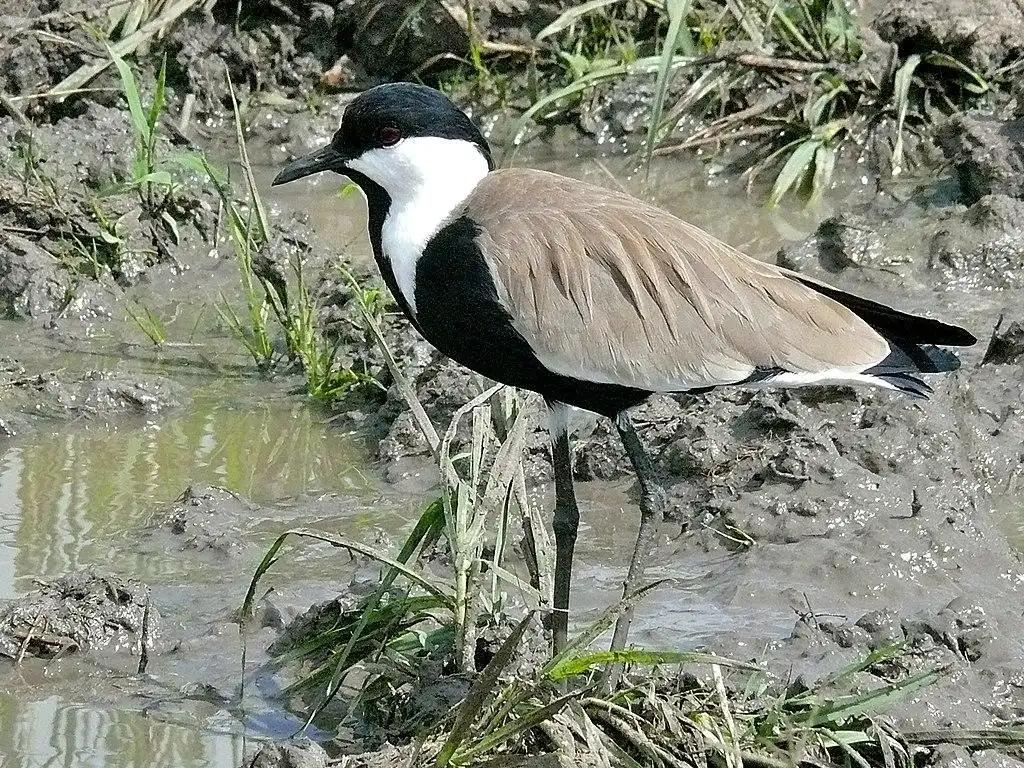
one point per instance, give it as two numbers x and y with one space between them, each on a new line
807 527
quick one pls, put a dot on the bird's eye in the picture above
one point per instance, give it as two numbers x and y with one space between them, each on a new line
389 136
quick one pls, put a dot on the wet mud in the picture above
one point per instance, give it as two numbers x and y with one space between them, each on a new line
80 611
807 528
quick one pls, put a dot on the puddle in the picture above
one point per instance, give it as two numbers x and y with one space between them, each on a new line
55 731
77 495
80 494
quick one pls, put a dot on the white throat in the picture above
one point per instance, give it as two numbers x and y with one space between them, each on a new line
427 178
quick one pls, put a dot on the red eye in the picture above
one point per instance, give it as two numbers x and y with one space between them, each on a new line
389 136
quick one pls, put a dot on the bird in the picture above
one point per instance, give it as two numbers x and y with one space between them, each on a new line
593 298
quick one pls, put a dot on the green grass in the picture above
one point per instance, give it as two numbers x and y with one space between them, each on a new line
416 612
781 88
146 321
279 326
151 176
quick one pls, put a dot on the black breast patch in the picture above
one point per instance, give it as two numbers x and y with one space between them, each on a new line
458 311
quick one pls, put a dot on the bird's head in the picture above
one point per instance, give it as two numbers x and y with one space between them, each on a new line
400 136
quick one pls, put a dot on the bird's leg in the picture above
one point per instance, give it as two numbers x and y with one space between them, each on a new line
652 513
566 522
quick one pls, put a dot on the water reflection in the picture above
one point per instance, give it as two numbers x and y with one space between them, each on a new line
68 496
51 732
79 494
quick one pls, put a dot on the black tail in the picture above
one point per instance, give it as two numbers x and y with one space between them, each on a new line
912 338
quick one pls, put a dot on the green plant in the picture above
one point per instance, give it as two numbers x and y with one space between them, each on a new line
483 487
784 85
479 485
146 321
150 176
316 354
88 236
275 297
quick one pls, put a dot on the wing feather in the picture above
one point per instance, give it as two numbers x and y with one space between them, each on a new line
612 289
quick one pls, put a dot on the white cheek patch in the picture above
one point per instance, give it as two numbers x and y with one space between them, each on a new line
426 177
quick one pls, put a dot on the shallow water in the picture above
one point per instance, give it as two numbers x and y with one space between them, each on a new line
84 493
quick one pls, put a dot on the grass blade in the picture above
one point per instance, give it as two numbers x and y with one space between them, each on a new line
824 165
793 171
901 86
131 92
871 702
571 15
677 11
580 664
518 726
159 99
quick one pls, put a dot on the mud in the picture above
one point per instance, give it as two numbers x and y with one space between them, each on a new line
807 527
32 399
982 33
303 755
986 154
202 519
1006 345
81 611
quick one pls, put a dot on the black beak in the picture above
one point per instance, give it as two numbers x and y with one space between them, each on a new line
324 159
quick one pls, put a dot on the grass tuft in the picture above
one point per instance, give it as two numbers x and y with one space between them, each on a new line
788 89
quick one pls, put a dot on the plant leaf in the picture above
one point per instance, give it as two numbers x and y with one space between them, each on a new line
518 726
796 166
159 99
677 11
160 178
978 85
869 703
824 165
131 94
571 15
580 664
901 91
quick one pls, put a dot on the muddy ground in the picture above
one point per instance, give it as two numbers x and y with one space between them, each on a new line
807 527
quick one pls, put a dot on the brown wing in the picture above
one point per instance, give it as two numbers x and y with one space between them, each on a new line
606 287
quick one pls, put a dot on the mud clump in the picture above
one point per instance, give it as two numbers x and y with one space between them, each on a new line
201 519
32 281
1006 346
96 394
967 649
840 242
73 213
414 39
982 33
435 32
44 41
81 611
302 754
987 154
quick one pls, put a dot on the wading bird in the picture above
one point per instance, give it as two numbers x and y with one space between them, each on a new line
593 298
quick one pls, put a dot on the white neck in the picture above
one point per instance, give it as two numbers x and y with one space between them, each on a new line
427 178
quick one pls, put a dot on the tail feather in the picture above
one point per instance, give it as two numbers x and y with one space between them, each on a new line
906 360
906 383
911 338
892 323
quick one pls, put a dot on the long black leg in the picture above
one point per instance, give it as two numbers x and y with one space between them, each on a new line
652 513
566 522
